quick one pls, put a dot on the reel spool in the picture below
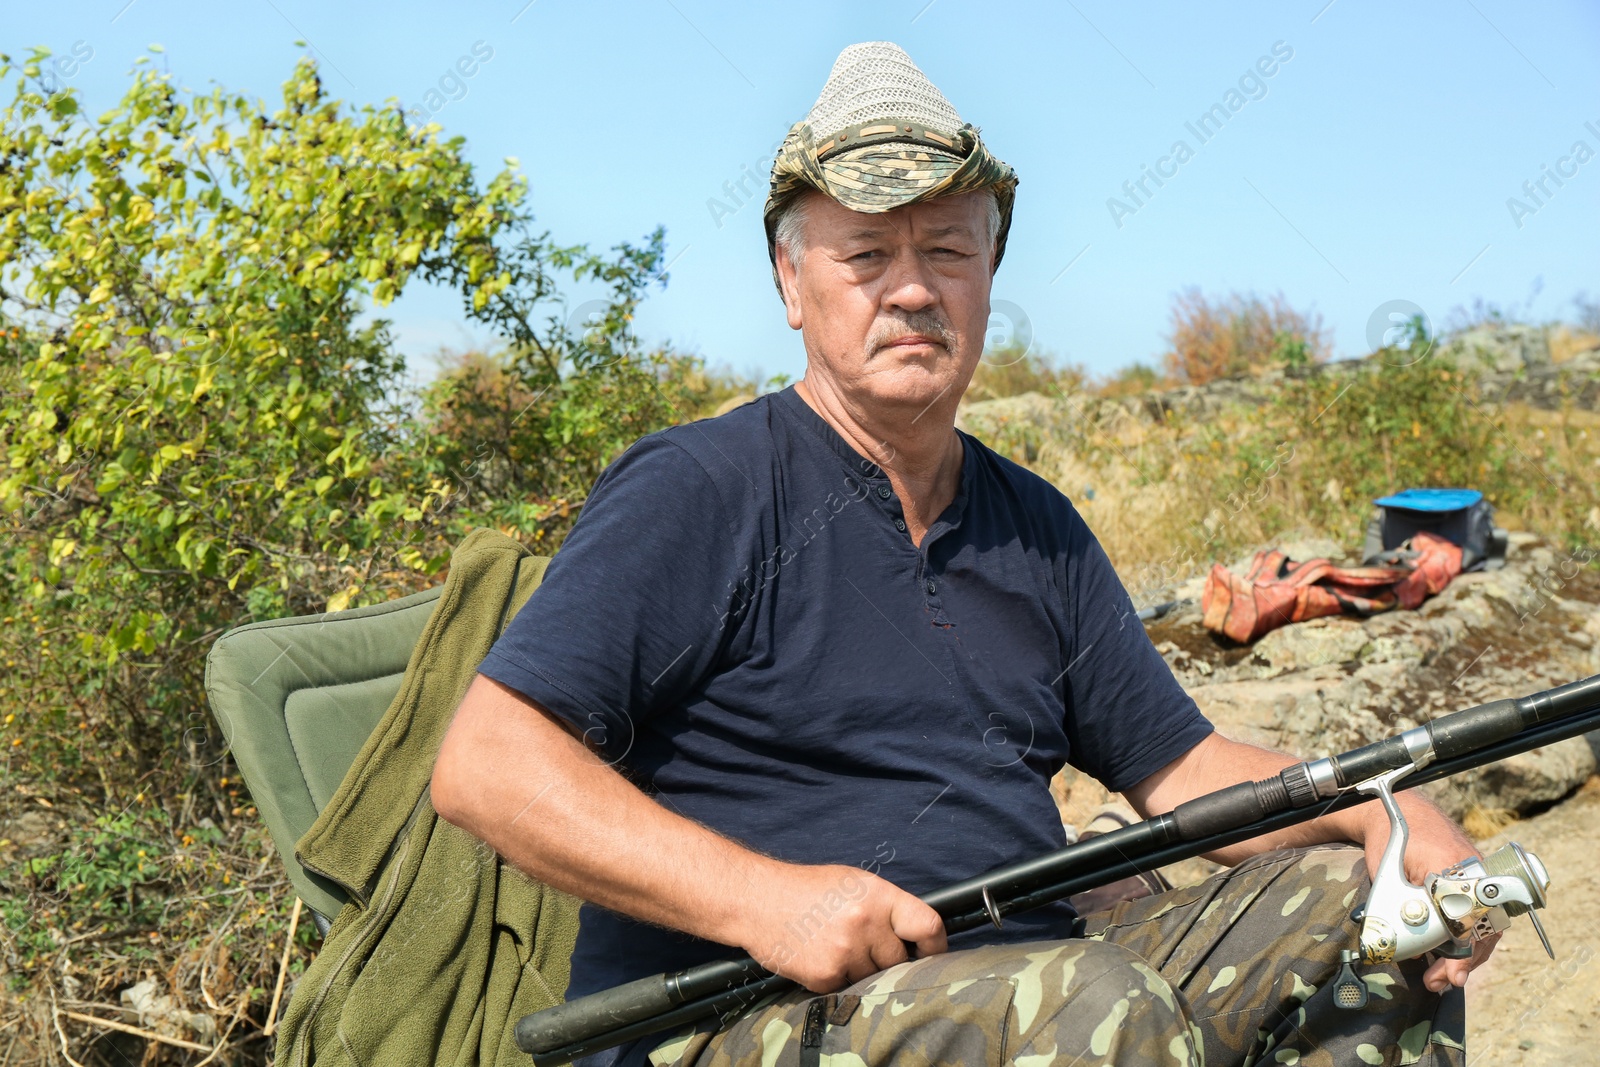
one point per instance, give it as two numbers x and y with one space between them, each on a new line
1479 898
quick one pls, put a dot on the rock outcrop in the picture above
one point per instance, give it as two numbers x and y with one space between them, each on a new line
1541 366
1333 684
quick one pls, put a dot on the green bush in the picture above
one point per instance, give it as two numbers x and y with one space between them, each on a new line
1387 427
199 430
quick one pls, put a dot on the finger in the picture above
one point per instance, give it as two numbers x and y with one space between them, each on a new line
860 966
1435 979
888 951
837 977
1374 853
778 962
1444 973
914 921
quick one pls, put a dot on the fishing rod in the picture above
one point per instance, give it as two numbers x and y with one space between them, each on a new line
1400 920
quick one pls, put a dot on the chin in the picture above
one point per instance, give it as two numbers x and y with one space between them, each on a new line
914 380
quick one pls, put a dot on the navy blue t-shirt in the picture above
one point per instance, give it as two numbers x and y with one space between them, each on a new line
741 622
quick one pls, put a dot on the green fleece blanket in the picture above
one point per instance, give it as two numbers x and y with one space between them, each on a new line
445 946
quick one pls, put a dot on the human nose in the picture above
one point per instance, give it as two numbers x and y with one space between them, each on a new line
910 282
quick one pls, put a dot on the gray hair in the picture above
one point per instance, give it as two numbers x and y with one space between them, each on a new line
790 235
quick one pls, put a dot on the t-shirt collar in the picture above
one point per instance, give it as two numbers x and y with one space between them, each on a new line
790 400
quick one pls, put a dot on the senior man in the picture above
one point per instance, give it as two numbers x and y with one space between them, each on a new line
800 662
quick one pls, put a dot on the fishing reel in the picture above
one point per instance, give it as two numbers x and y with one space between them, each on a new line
1449 913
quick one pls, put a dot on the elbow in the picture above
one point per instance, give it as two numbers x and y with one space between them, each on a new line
450 788
445 792
442 793
479 781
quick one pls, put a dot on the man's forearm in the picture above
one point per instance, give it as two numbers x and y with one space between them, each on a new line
512 776
1218 762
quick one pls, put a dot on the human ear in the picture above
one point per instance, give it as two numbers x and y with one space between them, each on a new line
789 283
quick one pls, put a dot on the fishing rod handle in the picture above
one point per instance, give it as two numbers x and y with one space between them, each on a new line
633 1002
609 1009
722 1005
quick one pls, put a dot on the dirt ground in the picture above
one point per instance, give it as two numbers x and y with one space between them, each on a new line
1522 1009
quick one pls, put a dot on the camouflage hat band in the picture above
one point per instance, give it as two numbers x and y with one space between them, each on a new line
883 164
868 133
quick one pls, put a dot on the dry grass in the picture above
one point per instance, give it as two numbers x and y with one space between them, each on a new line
1483 823
1238 334
1168 496
1568 341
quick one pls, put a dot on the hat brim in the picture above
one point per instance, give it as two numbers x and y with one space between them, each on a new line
878 178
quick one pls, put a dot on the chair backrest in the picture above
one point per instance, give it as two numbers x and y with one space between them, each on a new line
297 699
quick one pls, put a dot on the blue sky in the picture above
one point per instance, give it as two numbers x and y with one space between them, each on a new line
1374 164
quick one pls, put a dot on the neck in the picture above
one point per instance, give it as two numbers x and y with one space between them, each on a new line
919 451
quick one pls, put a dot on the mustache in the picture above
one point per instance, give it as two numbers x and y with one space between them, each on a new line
927 323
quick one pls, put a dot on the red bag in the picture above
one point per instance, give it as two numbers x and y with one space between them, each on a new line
1276 591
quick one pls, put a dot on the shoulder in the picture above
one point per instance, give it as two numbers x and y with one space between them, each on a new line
1016 478
712 457
1032 501
725 446
722 439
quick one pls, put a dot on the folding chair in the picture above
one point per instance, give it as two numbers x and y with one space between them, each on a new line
297 698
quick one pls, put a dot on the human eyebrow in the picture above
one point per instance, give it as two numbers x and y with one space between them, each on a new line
869 234
955 228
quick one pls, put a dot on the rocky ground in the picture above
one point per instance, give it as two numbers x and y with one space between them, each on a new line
1332 684
1522 1008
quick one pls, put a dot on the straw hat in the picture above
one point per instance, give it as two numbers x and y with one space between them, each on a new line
879 137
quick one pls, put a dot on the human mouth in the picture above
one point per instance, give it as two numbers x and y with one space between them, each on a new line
911 341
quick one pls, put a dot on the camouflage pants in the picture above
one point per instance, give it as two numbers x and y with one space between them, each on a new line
1235 970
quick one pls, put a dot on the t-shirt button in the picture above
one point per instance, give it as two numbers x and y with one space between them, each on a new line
883 491
899 524
931 587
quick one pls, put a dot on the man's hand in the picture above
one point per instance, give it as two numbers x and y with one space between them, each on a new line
1435 843
826 927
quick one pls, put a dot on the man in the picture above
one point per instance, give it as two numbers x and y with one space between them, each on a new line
798 663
